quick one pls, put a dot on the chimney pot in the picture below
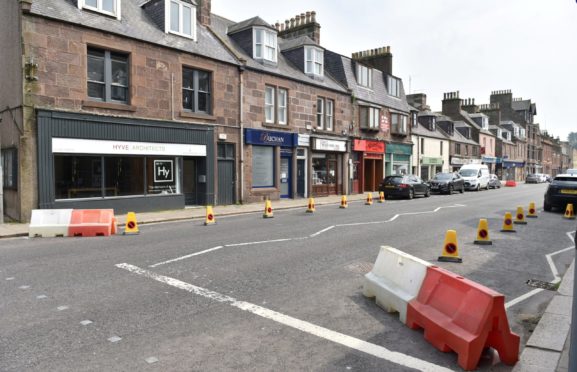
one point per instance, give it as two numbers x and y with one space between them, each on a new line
297 20
308 17
313 16
292 22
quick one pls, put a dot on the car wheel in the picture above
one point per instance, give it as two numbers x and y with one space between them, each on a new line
478 188
450 189
411 194
547 207
427 193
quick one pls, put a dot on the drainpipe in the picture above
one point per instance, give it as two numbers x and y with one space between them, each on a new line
241 116
172 96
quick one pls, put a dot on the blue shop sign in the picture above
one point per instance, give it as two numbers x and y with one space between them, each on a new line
270 138
513 164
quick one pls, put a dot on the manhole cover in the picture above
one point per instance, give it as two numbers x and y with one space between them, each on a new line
359 267
541 284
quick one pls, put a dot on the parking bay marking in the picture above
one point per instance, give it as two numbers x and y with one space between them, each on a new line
301 325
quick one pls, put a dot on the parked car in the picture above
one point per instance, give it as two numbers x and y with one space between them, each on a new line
476 176
447 182
548 177
407 186
560 192
532 178
494 182
542 177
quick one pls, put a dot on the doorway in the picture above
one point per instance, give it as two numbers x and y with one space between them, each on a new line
226 174
189 177
285 176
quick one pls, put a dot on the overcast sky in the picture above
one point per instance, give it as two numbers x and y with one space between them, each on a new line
473 46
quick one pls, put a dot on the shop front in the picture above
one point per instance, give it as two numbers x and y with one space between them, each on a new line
491 162
457 162
398 158
368 165
513 170
328 168
87 161
430 166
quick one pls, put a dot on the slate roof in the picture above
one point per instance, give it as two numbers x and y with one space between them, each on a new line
298 42
283 67
135 24
248 23
457 136
421 130
521 105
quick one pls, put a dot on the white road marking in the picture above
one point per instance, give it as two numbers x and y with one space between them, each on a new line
11 278
24 287
61 308
114 339
151 360
301 325
187 256
259 242
41 297
86 322
322 231
571 235
523 297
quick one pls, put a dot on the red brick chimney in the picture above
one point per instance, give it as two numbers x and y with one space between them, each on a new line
301 24
380 59
203 12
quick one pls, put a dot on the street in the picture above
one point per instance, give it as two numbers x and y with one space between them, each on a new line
264 294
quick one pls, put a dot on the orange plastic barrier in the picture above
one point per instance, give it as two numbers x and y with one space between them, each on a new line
461 315
510 183
91 222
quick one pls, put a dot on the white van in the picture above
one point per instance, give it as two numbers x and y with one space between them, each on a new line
476 176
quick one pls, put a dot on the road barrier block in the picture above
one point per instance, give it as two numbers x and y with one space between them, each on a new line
510 183
91 222
49 223
461 315
395 280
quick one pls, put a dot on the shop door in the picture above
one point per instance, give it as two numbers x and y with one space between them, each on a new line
285 177
369 174
301 176
226 174
189 186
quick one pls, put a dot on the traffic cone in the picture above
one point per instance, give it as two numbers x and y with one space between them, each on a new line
450 248
268 210
532 211
131 227
508 223
209 220
569 213
344 202
381 197
520 216
369 199
311 206
483 233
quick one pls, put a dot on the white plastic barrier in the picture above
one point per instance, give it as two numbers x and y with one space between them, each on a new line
49 222
395 280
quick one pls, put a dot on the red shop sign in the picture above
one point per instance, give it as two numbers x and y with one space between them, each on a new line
369 146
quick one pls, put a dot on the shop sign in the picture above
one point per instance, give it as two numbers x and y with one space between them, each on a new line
329 145
369 146
86 146
398 148
270 138
514 164
489 159
431 161
460 161
163 171
384 122
304 140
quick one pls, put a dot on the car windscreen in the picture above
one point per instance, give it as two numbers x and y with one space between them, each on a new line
565 181
395 180
443 176
530 175
468 172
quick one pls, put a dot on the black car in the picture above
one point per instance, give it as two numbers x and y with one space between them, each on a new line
494 182
447 182
560 192
407 186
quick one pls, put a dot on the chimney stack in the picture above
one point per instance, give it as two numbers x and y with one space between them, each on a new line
469 106
503 97
379 58
451 104
301 24
203 12
418 100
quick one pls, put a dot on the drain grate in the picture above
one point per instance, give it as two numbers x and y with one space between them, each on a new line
541 284
360 268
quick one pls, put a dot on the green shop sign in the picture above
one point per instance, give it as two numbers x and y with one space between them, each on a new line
397 148
431 161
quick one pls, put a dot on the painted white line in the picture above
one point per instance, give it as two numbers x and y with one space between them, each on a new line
260 242
361 223
187 256
523 297
41 297
86 322
62 308
301 325
151 360
114 339
322 231
393 218
571 235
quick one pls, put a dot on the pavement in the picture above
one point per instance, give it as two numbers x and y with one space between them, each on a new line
546 350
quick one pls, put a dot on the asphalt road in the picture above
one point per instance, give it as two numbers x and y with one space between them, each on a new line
262 294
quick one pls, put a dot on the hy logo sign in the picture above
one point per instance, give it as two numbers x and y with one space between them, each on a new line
163 171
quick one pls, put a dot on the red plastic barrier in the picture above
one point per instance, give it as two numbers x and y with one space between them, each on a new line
92 222
460 315
510 183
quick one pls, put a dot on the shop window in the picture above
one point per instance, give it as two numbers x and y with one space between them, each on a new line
369 118
262 166
107 76
196 90
324 169
77 176
182 19
10 168
162 175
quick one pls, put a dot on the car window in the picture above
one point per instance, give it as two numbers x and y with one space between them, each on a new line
563 179
395 180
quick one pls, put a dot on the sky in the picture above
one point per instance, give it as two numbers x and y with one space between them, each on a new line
470 46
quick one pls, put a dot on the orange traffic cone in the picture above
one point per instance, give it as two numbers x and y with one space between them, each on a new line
131 227
209 220
268 210
311 205
369 199
483 233
344 202
520 216
450 248
532 211
569 213
508 223
381 197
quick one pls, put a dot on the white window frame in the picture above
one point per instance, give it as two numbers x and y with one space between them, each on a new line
317 60
365 76
271 105
282 105
265 43
82 5
394 86
181 6
321 113
329 114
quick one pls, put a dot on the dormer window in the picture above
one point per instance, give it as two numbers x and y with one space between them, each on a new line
265 46
181 18
394 86
485 123
314 59
499 133
108 7
365 76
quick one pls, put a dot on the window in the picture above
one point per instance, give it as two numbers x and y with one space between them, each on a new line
364 76
422 146
394 86
314 61
466 149
458 148
182 18
275 105
196 89
415 119
264 44
325 113
369 117
329 117
109 7
441 148
398 124
107 76
320 112
262 166
9 168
